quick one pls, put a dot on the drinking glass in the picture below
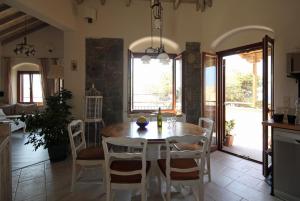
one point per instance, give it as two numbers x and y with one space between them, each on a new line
169 120
173 119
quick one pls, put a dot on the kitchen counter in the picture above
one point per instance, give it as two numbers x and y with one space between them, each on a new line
284 125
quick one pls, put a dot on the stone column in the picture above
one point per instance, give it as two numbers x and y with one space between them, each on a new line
191 82
104 69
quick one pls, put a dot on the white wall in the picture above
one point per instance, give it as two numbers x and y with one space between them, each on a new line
43 40
115 20
280 16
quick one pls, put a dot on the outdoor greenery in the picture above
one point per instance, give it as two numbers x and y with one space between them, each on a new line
163 89
49 127
240 88
229 125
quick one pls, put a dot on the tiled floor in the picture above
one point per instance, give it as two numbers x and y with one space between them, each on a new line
24 155
232 179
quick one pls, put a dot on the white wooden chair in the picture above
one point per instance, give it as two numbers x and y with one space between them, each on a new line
125 168
81 155
184 167
207 125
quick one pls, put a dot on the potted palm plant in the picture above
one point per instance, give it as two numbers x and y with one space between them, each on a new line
229 125
48 128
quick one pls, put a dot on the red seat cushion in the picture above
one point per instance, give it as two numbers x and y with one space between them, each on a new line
91 153
181 164
126 166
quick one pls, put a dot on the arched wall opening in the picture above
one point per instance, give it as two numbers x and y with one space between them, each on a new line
22 66
141 44
241 36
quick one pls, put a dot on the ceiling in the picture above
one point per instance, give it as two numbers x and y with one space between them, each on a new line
13 23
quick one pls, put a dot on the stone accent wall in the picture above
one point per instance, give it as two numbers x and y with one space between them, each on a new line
104 68
191 78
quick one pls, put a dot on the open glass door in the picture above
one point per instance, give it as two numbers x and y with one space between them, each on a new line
268 97
209 91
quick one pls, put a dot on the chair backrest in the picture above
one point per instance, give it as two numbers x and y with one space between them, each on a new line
123 148
207 125
198 154
76 137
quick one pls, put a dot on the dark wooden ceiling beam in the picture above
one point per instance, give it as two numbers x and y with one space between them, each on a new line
11 17
4 7
17 27
22 33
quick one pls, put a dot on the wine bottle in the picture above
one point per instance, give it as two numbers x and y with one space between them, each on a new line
159 118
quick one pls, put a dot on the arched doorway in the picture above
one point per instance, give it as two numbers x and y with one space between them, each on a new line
244 86
154 84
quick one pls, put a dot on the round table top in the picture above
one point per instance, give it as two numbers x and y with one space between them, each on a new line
152 133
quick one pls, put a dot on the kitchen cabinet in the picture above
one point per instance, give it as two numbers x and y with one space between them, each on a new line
285 160
5 163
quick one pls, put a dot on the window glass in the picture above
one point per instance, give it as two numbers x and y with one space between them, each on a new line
179 85
37 88
30 89
26 88
152 85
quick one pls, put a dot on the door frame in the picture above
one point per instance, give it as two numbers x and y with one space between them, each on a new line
221 91
267 112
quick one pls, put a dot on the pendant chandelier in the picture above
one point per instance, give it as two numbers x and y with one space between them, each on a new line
156 23
24 47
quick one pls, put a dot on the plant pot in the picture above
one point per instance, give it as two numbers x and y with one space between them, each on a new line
228 140
57 152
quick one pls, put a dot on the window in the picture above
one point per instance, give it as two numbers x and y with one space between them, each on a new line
29 87
155 85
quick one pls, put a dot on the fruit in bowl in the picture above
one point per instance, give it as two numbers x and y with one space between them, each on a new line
142 122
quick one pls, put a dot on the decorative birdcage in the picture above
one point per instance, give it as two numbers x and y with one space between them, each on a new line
93 113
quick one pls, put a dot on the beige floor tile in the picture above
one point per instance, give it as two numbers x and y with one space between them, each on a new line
256 173
232 173
221 180
248 193
30 188
233 179
249 181
220 194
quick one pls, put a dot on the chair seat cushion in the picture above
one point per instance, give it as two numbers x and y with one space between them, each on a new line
192 147
181 164
127 166
91 153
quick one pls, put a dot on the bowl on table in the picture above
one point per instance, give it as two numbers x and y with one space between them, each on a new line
142 125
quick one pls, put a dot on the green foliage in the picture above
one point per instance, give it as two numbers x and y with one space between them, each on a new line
49 127
229 125
240 90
